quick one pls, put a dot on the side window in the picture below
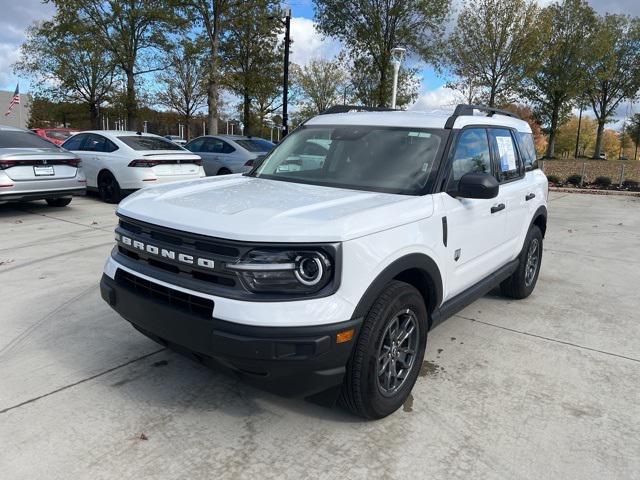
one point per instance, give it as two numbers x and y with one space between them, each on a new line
109 146
95 143
226 148
527 149
508 162
212 145
471 154
74 142
196 145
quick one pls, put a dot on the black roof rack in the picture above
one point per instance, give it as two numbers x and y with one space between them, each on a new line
355 108
466 110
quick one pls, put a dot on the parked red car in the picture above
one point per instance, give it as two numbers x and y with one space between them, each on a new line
55 135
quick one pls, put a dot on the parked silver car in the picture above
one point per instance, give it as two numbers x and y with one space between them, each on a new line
32 168
224 154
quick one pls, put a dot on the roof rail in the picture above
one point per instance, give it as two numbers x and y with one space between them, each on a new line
467 110
355 108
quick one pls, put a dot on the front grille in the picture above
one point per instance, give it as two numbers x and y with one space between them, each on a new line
221 252
201 307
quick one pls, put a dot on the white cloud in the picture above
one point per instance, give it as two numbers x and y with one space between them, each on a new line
308 43
441 98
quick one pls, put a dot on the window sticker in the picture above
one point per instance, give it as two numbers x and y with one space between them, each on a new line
507 154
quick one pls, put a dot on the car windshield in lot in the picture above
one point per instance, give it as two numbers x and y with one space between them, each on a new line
255 145
149 143
19 139
374 158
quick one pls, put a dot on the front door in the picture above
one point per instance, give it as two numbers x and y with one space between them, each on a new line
476 227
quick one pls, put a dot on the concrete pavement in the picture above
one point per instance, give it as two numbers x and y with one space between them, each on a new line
548 387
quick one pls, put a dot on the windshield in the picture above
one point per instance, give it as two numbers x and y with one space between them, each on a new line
139 142
382 159
255 145
19 139
60 134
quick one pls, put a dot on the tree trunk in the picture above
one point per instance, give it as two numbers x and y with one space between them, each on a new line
213 83
551 146
599 135
131 104
187 130
246 112
212 104
492 96
382 101
93 115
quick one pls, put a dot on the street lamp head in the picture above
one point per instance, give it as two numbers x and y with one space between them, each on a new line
397 54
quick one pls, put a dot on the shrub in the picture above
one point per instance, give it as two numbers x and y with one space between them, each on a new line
574 179
603 181
553 179
631 184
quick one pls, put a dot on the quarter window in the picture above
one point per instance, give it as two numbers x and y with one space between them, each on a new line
527 148
471 155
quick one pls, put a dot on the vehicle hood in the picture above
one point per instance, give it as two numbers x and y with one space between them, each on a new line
253 209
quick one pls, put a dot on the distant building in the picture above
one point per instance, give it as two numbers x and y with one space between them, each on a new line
19 116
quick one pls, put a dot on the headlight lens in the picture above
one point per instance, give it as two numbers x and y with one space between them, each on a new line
284 271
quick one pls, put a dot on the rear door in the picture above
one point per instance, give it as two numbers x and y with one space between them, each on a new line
476 227
509 170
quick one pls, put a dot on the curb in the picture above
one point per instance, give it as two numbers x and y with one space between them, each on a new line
587 191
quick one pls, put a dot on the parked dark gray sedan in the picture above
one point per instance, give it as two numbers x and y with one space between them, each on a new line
224 154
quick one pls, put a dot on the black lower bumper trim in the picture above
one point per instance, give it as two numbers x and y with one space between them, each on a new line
27 196
290 361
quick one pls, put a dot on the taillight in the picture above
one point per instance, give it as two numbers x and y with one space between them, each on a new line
249 163
144 163
196 162
4 164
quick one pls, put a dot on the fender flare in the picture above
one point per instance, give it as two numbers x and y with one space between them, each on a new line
540 212
419 261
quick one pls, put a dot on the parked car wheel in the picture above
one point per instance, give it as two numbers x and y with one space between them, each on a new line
524 279
224 171
109 188
59 202
388 354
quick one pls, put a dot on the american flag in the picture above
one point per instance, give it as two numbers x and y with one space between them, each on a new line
15 100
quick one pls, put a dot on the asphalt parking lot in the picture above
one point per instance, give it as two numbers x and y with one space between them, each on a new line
548 387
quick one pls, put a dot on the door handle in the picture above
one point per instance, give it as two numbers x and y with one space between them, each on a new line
531 196
497 208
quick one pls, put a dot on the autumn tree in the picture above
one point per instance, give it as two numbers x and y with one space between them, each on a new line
251 54
495 43
67 65
181 84
133 32
563 51
614 73
370 29
321 84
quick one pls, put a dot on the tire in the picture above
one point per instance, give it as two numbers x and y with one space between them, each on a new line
109 188
524 279
367 391
224 171
59 202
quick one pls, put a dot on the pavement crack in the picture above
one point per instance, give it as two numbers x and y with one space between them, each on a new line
79 382
57 255
104 229
555 340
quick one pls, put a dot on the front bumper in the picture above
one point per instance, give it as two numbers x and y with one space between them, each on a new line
290 361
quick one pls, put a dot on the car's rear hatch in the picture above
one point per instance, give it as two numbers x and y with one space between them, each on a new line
28 164
173 163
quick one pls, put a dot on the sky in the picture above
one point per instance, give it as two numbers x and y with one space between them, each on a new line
308 43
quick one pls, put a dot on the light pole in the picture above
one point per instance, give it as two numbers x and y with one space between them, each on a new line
397 54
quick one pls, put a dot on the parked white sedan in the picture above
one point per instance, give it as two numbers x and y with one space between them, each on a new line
118 162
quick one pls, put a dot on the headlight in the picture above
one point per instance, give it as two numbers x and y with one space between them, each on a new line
284 271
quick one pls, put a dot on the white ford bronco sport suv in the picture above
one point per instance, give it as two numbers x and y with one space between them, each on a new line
320 272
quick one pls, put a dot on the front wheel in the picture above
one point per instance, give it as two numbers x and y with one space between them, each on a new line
58 202
524 279
388 354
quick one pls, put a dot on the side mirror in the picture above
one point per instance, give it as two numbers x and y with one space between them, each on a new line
477 185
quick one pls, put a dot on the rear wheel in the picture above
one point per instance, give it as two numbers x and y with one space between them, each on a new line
388 354
59 202
524 279
224 171
109 188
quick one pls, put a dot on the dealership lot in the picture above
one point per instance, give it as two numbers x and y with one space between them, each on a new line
541 388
